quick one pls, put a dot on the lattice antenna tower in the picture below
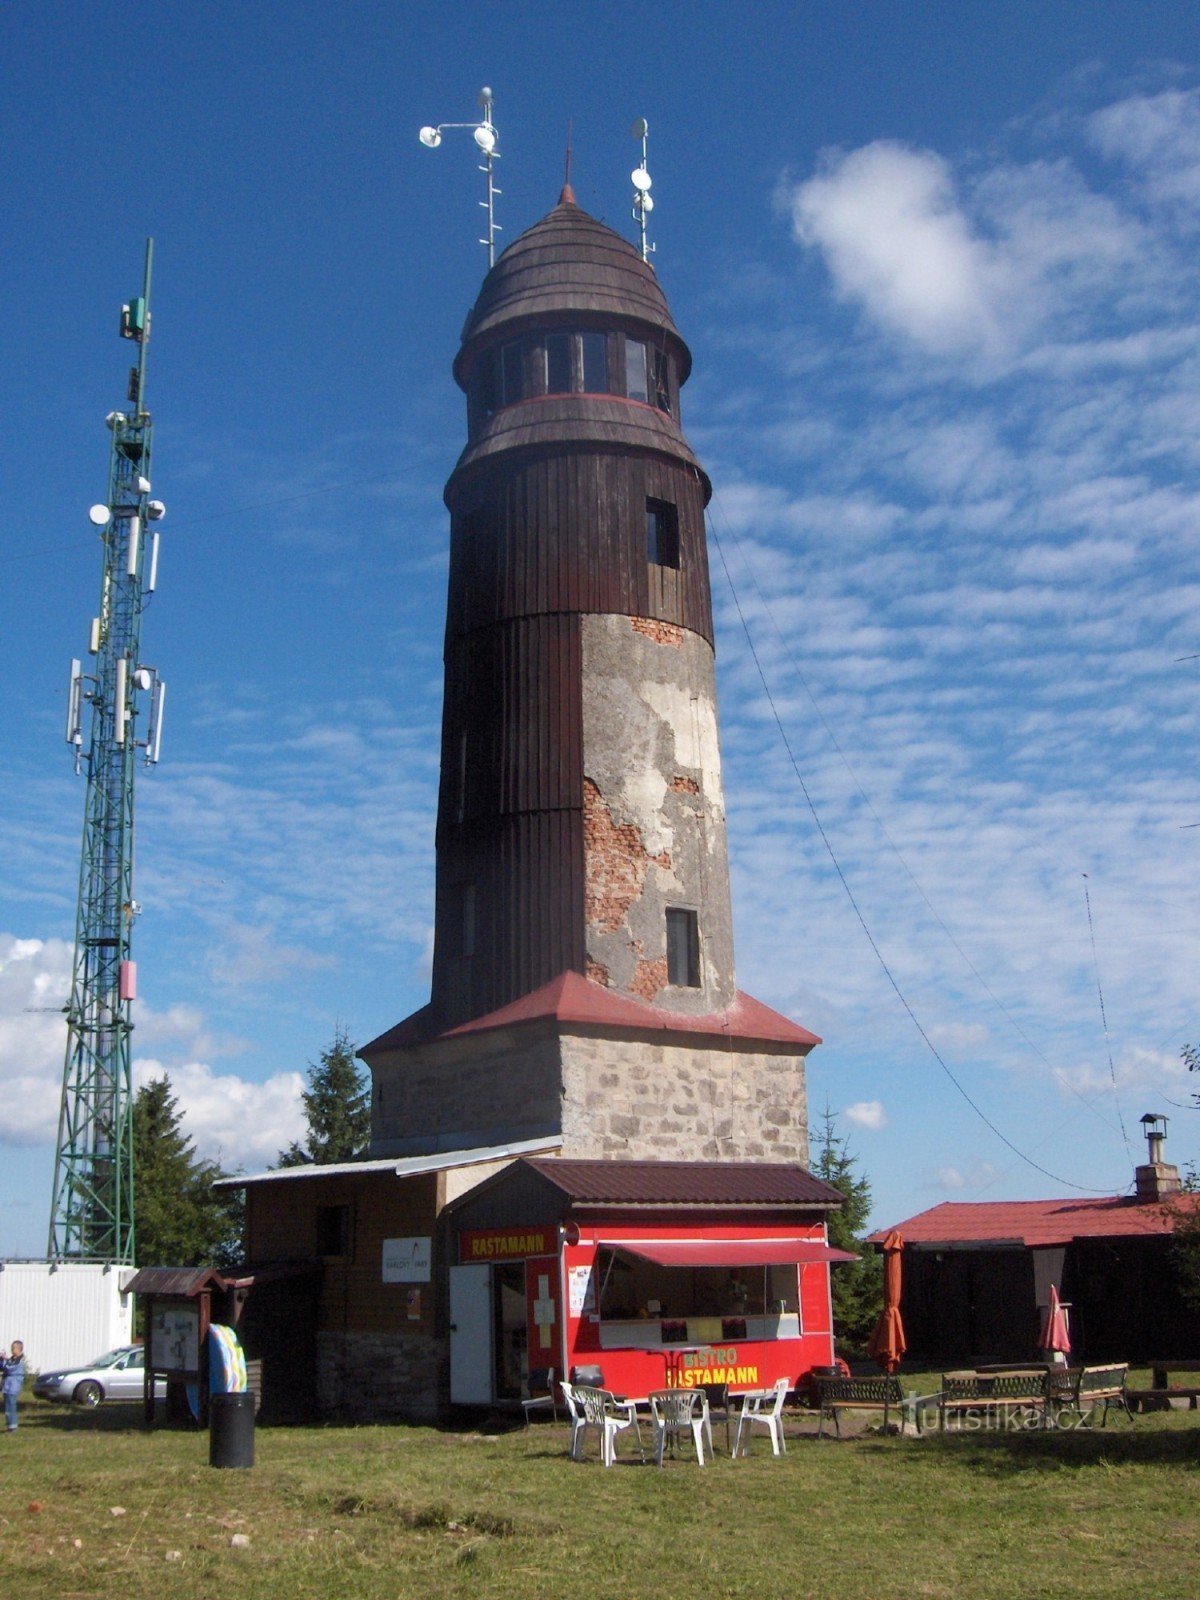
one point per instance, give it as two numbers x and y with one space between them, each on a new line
92 1214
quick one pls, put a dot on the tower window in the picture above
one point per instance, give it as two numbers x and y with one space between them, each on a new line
662 533
660 381
512 373
594 365
683 948
558 363
635 369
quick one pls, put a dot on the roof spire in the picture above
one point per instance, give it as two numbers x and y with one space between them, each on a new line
567 197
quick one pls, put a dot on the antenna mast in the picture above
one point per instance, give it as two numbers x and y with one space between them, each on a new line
485 134
643 203
91 1215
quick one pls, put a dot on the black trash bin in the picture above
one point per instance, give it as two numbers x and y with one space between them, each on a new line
231 1430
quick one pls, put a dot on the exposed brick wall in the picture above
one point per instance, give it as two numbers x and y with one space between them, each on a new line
615 863
648 976
661 632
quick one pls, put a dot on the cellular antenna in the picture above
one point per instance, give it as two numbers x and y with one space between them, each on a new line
91 1215
486 135
643 204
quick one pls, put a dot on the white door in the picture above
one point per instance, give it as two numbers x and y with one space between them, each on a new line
470 1336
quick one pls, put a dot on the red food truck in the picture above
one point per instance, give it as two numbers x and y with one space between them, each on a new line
639 1276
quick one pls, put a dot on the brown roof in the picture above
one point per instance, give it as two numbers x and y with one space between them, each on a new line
1035 1223
568 265
174 1280
573 999
713 1185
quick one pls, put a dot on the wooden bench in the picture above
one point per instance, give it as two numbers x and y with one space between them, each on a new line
1162 1391
856 1394
1080 1390
1160 1399
1006 1394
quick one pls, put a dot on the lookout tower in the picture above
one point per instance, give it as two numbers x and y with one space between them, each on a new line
583 973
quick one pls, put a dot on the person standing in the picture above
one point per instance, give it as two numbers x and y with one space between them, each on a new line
13 1369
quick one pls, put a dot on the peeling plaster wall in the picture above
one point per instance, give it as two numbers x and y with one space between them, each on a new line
654 810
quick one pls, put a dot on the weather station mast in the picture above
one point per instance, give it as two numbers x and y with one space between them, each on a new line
92 1211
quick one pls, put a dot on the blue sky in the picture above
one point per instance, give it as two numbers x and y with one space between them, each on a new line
936 265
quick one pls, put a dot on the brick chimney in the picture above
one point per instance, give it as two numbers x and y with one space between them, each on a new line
1157 1179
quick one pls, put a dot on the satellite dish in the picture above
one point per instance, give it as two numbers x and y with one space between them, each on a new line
646 202
485 138
640 128
430 138
640 179
99 515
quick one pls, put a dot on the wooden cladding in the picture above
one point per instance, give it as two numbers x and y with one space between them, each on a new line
525 872
566 532
511 722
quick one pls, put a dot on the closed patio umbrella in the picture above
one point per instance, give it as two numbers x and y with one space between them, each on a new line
1055 1335
887 1342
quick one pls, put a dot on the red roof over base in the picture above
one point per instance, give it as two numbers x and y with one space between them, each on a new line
572 999
1036 1223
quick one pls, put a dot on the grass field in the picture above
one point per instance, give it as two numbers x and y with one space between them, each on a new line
396 1512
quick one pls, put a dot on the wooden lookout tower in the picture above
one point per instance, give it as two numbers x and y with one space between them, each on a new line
583 985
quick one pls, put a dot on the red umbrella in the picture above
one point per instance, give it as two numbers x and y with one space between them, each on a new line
887 1342
1055 1334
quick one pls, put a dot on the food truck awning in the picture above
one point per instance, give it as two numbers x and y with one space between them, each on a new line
728 1252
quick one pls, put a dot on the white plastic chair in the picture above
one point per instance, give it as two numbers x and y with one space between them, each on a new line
574 1415
762 1408
677 1412
609 1416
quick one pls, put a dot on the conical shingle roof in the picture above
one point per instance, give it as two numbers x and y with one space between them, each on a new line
566 266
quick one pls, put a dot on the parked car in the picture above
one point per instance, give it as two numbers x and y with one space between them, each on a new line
118 1375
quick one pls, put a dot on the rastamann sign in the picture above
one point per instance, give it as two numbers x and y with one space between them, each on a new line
506 1244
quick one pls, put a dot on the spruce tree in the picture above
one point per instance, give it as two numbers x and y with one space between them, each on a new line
857 1286
337 1104
179 1219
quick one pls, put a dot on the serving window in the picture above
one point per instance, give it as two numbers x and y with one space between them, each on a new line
649 1304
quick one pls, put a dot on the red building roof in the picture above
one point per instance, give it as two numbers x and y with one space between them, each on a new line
575 1000
1035 1223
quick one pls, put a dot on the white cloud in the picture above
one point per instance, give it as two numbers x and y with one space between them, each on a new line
240 1124
1159 135
35 979
896 241
866 1114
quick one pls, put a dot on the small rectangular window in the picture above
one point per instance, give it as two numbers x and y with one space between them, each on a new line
512 373
333 1230
595 364
558 363
635 369
662 533
683 948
